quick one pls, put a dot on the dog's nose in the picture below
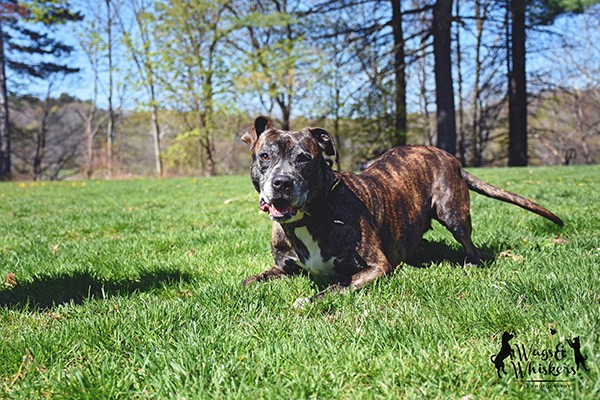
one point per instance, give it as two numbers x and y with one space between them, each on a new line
282 182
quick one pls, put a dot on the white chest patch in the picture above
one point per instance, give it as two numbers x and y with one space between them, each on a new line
314 263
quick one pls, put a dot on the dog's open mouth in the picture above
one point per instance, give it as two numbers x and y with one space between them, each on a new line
279 209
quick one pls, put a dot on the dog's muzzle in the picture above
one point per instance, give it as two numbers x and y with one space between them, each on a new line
279 209
282 198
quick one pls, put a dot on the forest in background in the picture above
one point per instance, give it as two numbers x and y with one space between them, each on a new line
171 85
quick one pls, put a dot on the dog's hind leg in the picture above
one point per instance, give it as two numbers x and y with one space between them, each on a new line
452 210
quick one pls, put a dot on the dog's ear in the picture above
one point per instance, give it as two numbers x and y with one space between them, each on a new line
325 141
261 124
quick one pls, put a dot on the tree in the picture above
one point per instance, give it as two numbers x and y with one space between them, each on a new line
444 91
140 46
399 74
392 47
277 62
424 127
460 117
89 42
331 103
517 87
110 127
5 162
25 51
47 133
96 40
541 12
193 67
564 121
488 93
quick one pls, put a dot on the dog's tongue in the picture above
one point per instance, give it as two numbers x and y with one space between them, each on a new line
278 209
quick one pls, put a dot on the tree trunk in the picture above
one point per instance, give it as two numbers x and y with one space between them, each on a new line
400 76
423 74
143 60
444 92
111 113
424 98
155 133
89 137
88 117
208 123
460 120
286 110
517 91
40 141
4 126
476 158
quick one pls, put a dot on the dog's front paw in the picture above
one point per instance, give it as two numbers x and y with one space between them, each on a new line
301 303
251 279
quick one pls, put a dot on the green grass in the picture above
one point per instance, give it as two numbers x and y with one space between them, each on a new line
132 289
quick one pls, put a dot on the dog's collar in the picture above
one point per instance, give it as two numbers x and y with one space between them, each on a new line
336 182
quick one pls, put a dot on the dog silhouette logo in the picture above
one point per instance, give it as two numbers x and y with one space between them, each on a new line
505 352
579 358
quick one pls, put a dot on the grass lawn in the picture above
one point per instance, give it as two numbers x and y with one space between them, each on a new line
132 289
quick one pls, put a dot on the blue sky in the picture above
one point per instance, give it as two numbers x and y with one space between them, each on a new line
545 50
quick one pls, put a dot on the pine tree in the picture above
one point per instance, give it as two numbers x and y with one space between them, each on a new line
28 52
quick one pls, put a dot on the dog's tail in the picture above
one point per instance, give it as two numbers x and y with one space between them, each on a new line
494 192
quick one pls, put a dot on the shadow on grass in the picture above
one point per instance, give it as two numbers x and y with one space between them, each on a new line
49 291
431 253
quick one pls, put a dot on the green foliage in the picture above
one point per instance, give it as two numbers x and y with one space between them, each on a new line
27 45
277 62
266 20
132 289
50 12
545 11
182 155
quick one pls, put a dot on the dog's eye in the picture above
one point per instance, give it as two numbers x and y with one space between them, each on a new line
302 158
264 156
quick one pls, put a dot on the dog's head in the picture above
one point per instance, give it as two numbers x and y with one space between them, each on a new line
288 167
506 336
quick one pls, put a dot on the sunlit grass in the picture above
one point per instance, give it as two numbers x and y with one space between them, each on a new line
132 289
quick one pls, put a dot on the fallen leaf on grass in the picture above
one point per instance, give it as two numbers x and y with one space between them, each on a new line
509 254
55 247
191 252
11 280
53 315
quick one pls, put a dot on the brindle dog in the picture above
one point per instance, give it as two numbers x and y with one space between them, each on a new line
351 229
